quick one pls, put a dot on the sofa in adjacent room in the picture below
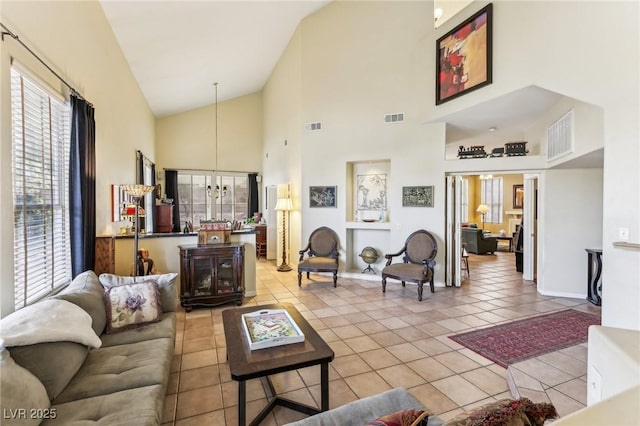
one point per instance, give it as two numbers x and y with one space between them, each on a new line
477 243
98 352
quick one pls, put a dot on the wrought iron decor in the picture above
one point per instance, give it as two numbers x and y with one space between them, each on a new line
417 196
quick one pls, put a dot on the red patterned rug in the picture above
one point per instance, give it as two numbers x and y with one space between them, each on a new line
516 341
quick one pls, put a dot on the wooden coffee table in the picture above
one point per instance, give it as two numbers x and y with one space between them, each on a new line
246 364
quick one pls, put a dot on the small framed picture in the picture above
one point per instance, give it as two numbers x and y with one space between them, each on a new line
417 196
322 196
518 196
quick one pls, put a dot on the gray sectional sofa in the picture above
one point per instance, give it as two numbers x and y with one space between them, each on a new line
366 410
122 382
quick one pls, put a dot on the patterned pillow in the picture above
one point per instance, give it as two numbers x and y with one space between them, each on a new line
406 417
506 412
132 305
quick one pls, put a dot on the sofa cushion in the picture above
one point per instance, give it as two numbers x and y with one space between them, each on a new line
408 271
121 367
166 284
141 406
407 417
506 412
53 363
132 305
165 328
20 390
85 291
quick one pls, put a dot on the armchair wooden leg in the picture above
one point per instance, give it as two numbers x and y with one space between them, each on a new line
307 275
431 285
335 279
404 284
384 285
299 279
419 292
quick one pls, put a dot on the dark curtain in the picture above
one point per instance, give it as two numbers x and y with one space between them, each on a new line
254 207
171 179
82 186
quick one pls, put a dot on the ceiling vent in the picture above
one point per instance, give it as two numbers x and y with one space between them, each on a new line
312 127
396 117
560 137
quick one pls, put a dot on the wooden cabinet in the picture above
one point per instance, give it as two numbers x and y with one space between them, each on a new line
164 218
211 275
105 256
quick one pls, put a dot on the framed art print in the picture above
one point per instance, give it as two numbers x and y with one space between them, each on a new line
463 57
417 196
322 196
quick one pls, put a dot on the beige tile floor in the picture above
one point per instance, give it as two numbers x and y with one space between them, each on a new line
380 341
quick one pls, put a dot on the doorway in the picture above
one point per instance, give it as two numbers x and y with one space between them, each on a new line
516 193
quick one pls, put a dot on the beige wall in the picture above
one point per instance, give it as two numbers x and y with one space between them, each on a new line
188 140
75 39
351 62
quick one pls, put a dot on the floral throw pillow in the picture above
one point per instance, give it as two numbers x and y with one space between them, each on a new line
132 305
406 417
506 412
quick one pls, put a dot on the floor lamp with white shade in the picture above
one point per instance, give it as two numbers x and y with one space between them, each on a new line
284 205
136 192
482 209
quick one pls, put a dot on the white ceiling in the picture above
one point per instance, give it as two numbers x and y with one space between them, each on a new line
177 50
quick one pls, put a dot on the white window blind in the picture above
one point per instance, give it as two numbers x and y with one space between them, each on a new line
492 196
205 196
40 164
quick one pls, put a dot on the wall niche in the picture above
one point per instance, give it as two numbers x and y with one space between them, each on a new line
367 191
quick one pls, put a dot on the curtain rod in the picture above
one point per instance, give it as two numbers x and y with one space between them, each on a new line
16 38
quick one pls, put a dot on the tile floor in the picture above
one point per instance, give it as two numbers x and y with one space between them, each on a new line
380 341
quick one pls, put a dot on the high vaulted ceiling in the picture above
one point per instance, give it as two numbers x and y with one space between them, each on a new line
177 50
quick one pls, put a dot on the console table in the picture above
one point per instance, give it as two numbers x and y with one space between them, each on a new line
594 276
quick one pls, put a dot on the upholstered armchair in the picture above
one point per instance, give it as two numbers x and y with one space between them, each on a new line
418 261
477 243
322 254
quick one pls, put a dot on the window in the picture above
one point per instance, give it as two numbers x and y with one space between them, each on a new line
492 196
40 164
201 199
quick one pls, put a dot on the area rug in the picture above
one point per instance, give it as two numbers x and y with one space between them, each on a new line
518 340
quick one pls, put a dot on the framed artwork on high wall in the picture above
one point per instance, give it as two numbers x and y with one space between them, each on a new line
463 57
322 196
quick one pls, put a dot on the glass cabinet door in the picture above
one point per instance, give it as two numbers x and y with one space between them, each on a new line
201 276
225 275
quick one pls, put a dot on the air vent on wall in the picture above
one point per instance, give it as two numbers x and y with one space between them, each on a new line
312 127
394 118
560 137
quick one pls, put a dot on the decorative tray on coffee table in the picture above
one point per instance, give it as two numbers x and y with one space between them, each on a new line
269 328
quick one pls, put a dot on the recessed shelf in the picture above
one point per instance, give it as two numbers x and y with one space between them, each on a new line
369 225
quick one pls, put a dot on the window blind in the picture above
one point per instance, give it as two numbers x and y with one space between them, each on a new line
492 196
40 164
